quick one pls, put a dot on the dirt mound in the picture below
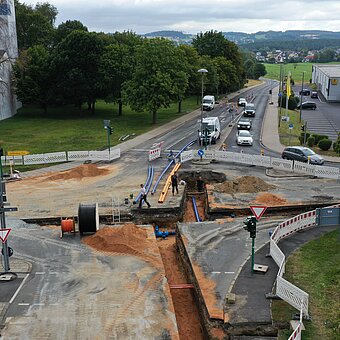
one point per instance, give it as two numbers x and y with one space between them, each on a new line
85 170
244 184
127 239
269 199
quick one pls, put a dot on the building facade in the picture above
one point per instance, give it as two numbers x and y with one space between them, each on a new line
8 55
327 79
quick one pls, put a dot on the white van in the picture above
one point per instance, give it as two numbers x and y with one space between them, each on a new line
208 103
211 130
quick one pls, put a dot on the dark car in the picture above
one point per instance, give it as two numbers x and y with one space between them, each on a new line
314 94
307 105
302 154
305 92
244 124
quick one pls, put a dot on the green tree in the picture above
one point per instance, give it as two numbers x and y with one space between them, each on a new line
33 79
259 70
75 66
33 27
47 10
227 75
65 28
214 44
159 78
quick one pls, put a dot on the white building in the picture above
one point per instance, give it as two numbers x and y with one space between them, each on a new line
327 78
8 54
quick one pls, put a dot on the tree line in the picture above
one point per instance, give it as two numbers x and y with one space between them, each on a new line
70 65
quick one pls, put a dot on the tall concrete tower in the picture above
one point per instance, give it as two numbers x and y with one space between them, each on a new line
8 54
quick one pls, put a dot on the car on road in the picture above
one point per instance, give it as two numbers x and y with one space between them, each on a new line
243 137
304 92
314 94
307 105
244 124
242 102
302 154
249 110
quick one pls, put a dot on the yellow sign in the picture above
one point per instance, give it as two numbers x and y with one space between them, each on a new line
17 153
334 81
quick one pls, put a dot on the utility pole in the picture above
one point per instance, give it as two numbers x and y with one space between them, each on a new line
301 95
280 93
202 71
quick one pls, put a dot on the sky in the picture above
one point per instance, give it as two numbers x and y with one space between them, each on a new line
194 16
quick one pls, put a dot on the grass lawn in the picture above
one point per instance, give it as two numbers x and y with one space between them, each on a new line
273 71
66 128
315 268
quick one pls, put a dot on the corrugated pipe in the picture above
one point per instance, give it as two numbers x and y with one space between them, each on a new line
169 165
150 170
198 219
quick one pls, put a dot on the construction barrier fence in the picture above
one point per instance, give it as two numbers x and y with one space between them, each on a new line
265 161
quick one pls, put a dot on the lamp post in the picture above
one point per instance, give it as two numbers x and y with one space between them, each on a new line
202 71
301 94
108 128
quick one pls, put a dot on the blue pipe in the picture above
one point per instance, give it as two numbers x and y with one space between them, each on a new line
147 182
198 219
163 234
169 165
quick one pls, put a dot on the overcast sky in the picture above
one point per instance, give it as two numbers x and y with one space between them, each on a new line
193 16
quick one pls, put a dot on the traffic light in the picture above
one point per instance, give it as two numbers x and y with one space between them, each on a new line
303 128
109 130
1 152
250 225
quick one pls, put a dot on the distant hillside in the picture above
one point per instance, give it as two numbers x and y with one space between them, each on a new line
169 34
310 39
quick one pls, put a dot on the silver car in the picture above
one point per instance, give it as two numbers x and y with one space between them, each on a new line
243 137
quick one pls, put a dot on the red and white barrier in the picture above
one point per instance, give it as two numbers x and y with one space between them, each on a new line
154 154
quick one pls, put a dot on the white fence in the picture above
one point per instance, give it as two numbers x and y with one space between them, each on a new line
275 163
295 296
57 157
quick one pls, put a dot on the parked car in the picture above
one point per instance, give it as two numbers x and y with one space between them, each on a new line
242 102
307 105
244 124
305 92
302 154
249 110
243 137
314 94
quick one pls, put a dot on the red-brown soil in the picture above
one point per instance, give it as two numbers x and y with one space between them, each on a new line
269 199
189 214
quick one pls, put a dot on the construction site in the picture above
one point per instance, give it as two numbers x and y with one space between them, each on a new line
178 270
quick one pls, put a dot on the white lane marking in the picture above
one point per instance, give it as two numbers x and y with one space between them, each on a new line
53 273
54 304
17 291
39 273
23 304
215 272
38 304
229 272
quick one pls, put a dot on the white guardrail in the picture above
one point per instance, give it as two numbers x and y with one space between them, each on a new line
288 292
275 163
57 157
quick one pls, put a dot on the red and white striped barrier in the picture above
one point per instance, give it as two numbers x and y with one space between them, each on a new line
296 335
154 154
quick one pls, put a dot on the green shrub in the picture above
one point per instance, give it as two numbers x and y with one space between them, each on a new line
336 145
325 144
310 141
319 137
292 102
302 136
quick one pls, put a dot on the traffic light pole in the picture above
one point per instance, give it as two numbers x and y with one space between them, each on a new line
108 137
3 222
252 255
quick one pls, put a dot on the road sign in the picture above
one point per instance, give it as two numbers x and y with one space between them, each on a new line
291 126
18 153
200 152
258 210
4 234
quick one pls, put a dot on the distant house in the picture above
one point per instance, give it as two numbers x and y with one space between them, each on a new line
327 78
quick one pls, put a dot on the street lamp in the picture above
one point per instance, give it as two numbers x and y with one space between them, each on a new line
202 71
108 128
